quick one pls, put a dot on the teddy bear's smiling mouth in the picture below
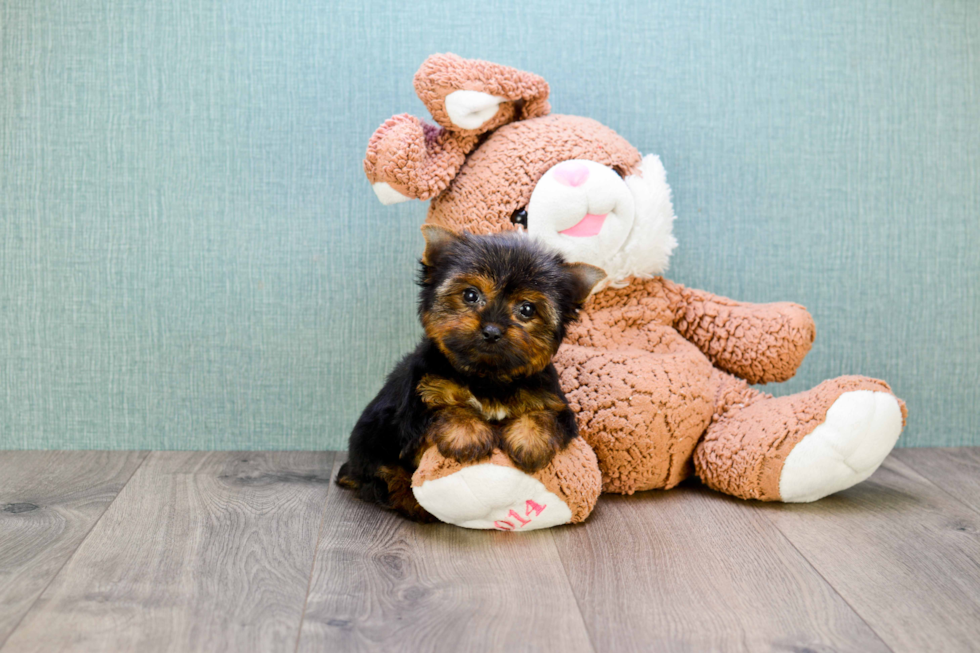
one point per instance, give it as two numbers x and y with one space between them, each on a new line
590 225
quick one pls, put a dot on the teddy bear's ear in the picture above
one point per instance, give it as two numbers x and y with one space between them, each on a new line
471 97
409 159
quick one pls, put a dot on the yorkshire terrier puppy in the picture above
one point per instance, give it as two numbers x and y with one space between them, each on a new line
495 309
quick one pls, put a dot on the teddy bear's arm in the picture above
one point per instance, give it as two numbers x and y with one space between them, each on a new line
760 343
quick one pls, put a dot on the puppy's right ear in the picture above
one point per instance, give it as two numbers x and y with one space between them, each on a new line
436 240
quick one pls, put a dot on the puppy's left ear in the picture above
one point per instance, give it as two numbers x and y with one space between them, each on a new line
586 277
436 240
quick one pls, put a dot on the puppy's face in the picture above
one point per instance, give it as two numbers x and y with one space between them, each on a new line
491 326
497 306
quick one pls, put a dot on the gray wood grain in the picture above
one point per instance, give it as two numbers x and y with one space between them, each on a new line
903 553
199 552
49 500
692 570
956 470
381 583
260 552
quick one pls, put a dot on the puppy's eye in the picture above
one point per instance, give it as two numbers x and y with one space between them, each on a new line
519 217
526 310
471 296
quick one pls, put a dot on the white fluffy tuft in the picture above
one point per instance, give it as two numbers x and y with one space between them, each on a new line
647 250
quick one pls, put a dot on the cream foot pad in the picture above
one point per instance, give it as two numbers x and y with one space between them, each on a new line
860 430
493 494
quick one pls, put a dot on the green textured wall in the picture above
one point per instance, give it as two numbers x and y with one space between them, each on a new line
190 256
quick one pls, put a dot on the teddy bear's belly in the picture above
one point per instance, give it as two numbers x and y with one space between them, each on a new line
642 412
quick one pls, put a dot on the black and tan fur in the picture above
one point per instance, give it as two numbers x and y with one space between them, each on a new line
494 309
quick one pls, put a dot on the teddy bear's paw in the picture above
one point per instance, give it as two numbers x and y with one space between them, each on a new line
489 496
860 430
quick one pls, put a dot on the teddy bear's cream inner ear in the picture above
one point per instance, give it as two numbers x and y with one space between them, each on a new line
387 194
470 109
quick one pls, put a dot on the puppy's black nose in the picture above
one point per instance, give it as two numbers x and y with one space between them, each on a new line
491 333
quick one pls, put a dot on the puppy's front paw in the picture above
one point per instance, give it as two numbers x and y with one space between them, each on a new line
531 440
461 434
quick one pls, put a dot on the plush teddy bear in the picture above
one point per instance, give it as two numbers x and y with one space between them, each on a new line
658 374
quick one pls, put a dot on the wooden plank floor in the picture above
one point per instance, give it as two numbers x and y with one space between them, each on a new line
259 551
49 502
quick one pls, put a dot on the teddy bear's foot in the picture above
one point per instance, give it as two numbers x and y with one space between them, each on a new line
860 430
800 447
494 494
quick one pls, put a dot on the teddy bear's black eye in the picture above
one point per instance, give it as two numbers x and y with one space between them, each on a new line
471 296
519 217
526 310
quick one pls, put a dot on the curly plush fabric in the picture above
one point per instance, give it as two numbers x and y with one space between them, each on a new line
637 370
573 475
759 343
416 159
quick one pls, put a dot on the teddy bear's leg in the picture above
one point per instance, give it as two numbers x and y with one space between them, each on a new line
802 447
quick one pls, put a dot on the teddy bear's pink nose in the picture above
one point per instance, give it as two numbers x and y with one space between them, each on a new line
571 173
